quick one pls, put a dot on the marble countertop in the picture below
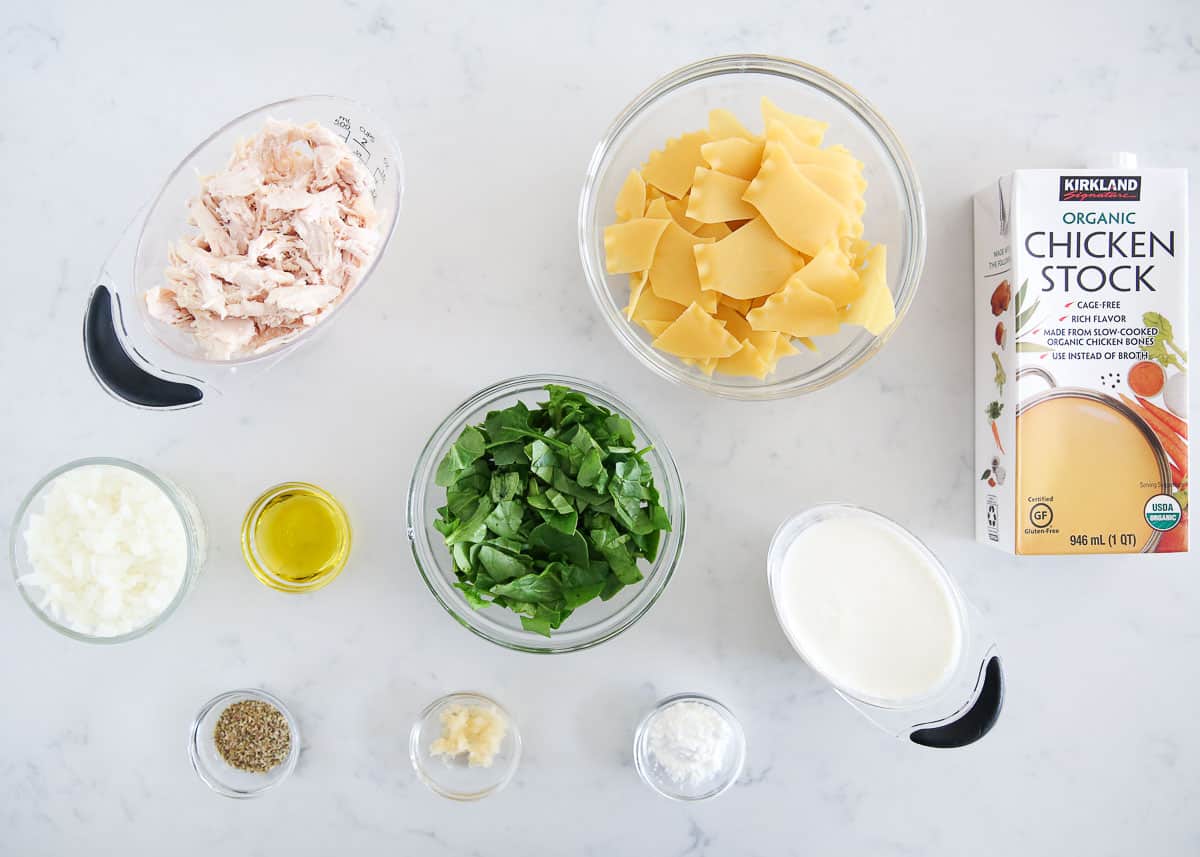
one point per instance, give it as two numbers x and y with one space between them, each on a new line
498 107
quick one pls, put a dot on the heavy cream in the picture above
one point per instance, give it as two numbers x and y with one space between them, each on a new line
867 608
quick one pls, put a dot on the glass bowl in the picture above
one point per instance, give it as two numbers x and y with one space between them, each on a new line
189 515
452 777
368 138
680 102
654 775
594 622
219 775
258 563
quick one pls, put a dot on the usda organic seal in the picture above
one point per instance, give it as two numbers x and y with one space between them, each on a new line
1163 512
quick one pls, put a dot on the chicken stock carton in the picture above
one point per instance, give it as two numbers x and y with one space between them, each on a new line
1081 362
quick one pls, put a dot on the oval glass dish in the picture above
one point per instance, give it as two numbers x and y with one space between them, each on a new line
148 363
594 622
960 709
189 515
680 102
369 140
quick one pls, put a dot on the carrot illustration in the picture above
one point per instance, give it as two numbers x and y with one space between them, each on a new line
1175 423
1176 475
1170 441
993 413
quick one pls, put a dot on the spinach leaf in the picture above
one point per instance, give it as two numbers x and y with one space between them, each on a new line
473 529
466 450
591 469
501 565
462 500
647 544
566 485
474 596
611 587
541 588
507 426
558 503
581 585
619 430
509 454
505 519
445 525
552 541
621 560
506 485
542 460
542 622
564 522
461 555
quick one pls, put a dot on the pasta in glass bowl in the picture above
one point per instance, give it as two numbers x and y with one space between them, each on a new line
680 102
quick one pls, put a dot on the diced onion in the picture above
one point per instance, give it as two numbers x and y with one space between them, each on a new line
108 551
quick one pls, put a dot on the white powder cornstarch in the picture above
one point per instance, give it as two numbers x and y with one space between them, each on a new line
690 741
108 550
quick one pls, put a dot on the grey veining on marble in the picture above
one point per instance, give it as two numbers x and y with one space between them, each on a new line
497 107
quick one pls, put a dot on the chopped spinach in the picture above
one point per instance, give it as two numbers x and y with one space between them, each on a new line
548 509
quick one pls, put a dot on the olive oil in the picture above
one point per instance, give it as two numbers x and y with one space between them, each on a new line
296 537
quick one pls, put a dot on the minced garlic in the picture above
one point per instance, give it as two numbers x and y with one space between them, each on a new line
476 730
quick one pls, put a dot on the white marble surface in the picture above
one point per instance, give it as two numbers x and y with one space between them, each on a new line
498 107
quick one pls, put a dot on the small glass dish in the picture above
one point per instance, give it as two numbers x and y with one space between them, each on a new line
319 577
219 775
193 528
594 622
452 777
680 102
657 778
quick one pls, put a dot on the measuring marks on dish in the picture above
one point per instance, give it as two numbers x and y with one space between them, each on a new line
360 143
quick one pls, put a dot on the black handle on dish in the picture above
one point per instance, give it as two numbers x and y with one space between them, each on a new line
117 372
976 721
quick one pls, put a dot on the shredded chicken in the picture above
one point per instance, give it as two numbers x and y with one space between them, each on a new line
284 232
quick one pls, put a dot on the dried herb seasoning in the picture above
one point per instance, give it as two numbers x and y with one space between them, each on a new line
252 735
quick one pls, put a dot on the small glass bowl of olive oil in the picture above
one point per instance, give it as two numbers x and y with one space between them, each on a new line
296 537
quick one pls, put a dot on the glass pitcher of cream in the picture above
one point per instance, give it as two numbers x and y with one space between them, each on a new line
871 610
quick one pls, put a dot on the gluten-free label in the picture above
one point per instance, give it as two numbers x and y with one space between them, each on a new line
1163 512
1041 516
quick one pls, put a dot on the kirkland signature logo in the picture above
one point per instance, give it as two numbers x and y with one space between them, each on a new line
1099 188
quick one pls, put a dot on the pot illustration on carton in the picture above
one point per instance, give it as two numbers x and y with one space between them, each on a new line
1081 370
1089 465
